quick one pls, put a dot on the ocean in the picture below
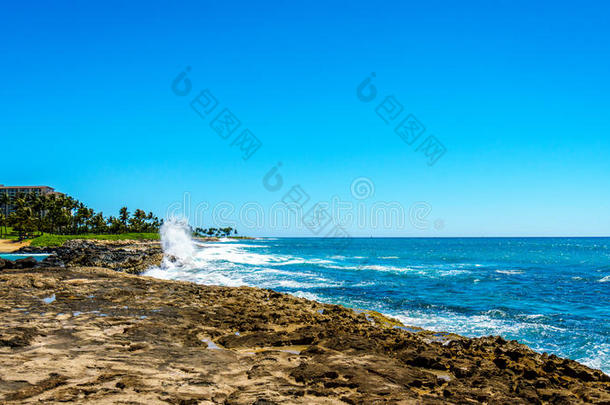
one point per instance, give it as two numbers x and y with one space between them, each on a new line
552 294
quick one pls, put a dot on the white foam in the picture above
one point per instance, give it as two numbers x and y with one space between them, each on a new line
301 284
200 277
509 272
176 241
491 322
454 272
605 279
596 356
431 272
308 295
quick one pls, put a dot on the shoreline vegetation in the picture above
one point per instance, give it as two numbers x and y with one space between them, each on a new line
9 245
30 215
50 220
110 335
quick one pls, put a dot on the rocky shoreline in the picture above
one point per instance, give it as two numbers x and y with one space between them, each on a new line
83 327
126 256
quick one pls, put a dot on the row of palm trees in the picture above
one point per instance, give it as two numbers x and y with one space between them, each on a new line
60 214
217 232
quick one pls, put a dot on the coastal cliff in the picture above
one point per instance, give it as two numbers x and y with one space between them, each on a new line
79 328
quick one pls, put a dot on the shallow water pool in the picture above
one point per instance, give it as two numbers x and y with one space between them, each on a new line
10 256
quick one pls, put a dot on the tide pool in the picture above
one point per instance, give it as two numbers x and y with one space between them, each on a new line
13 257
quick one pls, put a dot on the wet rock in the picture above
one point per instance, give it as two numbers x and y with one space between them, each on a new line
52 261
8 264
25 263
126 256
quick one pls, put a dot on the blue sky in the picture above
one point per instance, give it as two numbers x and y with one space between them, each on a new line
516 92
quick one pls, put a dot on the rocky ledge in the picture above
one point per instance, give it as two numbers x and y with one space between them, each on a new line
94 335
127 256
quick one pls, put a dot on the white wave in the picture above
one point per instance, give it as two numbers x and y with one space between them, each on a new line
230 263
454 272
364 284
389 257
177 242
496 313
299 260
308 295
300 284
509 272
199 277
476 325
597 356
605 279
534 316
416 270
278 272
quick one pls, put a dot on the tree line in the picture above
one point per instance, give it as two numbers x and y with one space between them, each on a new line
216 232
63 215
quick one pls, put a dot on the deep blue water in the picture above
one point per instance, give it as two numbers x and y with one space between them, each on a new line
552 294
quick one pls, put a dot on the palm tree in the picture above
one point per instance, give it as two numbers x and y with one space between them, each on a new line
39 206
5 200
50 203
23 218
62 214
83 215
137 223
3 224
114 225
124 217
97 223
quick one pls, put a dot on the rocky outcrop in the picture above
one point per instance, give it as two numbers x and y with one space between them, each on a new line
126 256
92 335
25 263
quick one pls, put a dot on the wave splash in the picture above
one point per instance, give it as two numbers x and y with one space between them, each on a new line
420 287
177 243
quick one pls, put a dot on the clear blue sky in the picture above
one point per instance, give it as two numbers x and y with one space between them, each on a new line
517 91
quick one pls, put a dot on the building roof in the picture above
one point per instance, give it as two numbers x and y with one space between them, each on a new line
3 187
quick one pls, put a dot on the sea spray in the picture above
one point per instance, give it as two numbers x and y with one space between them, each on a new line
177 243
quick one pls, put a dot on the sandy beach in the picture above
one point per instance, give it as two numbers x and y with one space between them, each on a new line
9 246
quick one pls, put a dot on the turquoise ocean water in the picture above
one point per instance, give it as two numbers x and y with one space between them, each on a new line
10 256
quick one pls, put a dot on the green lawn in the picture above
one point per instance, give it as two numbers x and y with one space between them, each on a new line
12 235
49 240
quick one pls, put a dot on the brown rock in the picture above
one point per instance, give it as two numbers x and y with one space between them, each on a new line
111 337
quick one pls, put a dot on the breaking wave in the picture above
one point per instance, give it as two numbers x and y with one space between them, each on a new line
467 287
